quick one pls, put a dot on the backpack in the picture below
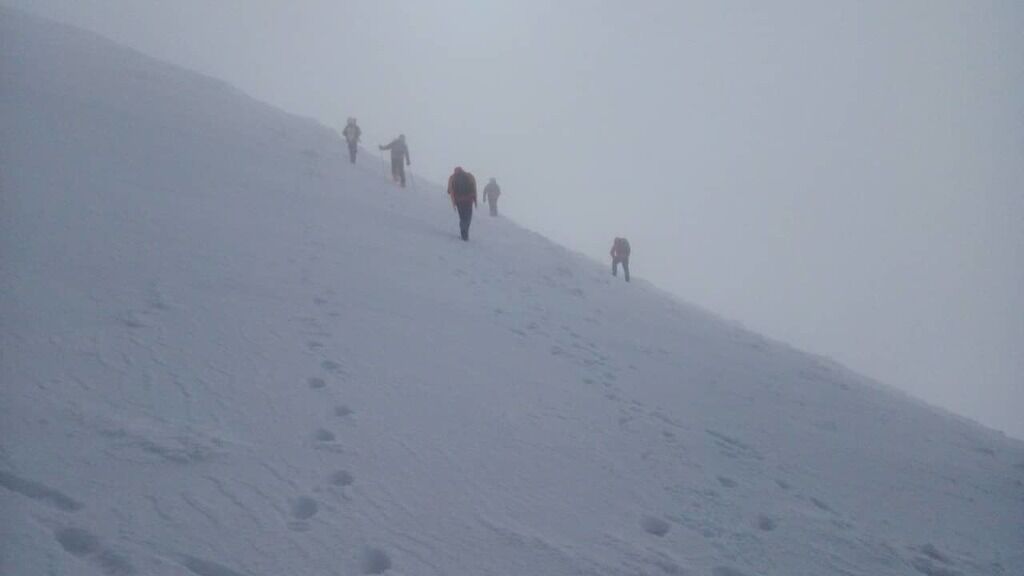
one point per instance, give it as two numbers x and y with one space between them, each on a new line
462 186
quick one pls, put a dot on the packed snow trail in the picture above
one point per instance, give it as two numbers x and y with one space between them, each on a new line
226 351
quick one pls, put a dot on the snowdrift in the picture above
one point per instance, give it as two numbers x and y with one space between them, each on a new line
225 351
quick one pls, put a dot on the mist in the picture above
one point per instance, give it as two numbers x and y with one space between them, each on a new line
843 177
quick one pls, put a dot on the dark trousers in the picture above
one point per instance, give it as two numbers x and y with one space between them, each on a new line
465 216
625 267
493 204
398 171
352 147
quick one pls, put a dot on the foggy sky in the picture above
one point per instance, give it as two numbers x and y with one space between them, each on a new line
843 176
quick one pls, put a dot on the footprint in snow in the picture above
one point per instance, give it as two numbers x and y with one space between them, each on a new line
114 564
331 366
304 508
374 561
732 448
727 571
934 553
202 567
925 565
727 482
324 440
323 435
82 543
38 492
654 526
132 319
157 303
765 523
341 478
821 505
77 541
342 411
316 383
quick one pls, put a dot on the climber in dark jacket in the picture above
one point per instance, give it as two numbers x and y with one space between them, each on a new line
620 255
399 158
352 134
462 190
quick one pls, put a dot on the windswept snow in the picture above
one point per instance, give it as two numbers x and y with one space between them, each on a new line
226 351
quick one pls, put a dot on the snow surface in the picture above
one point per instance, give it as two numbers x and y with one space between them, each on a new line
225 351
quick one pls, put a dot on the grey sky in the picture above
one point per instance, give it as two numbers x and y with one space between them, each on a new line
845 176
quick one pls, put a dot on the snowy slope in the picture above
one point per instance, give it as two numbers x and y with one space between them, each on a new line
227 352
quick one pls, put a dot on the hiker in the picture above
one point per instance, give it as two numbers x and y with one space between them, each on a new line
620 254
462 189
399 158
352 134
491 193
